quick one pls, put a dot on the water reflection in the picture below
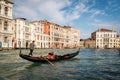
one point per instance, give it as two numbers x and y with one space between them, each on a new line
119 51
90 64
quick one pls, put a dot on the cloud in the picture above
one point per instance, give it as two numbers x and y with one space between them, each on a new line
117 27
77 11
52 10
39 9
21 9
25 12
86 34
96 13
101 24
107 25
73 12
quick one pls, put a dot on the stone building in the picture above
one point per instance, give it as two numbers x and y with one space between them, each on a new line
105 38
45 34
61 37
118 41
89 43
82 43
72 37
6 28
23 33
15 33
40 33
56 33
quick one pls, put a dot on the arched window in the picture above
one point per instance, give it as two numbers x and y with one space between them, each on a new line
0 9
0 22
5 25
5 39
6 11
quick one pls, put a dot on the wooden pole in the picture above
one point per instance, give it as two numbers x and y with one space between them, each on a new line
48 61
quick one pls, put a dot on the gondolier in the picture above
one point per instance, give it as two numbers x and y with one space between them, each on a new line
32 45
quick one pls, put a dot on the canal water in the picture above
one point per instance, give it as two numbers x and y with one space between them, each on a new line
90 64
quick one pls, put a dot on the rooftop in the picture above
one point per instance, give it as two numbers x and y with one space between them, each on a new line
104 30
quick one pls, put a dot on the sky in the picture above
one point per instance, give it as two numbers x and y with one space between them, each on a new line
85 15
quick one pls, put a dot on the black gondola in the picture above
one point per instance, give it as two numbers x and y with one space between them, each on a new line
43 59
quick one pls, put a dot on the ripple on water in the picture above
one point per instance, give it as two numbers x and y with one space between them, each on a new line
90 64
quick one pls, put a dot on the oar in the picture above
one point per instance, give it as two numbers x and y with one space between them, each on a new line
48 61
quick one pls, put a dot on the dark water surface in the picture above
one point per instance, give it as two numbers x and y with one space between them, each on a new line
90 64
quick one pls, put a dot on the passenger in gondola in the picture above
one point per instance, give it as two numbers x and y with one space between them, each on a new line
50 56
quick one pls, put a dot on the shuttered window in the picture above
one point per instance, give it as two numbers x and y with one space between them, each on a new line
5 25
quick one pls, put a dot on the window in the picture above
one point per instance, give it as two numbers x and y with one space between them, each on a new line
27 36
5 39
0 22
5 25
97 40
114 35
6 11
56 34
0 9
56 28
37 37
26 29
67 36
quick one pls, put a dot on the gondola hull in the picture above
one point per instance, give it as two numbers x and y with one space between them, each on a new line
43 59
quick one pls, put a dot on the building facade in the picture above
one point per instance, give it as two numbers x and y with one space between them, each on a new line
6 28
56 36
105 38
23 33
118 42
90 43
72 37
41 38
44 33
61 36
82 43
19 32
87 43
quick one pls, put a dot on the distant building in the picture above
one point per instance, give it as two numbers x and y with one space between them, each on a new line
61 37
118 41
6 28
44 33
72 37
89 43
82 43
56 36
15 33
41 34
104 38
23 32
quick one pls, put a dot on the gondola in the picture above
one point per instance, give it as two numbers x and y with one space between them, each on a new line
44 59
